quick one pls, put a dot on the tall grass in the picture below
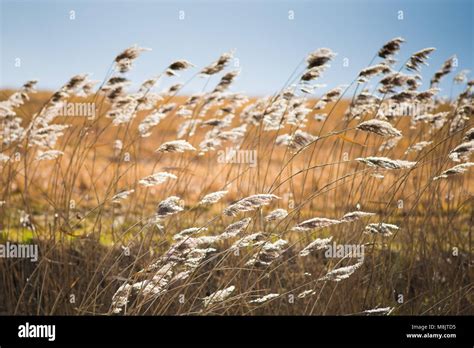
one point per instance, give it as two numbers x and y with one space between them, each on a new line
140 209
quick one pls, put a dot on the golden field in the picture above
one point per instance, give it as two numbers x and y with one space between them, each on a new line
99 254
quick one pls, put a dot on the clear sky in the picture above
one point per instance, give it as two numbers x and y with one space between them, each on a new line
268 44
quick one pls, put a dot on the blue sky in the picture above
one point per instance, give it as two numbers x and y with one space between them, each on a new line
268 45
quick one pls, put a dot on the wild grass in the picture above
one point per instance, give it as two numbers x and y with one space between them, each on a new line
141 210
